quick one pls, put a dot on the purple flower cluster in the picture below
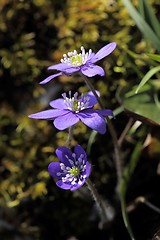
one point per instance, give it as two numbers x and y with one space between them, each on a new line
69 110
73 168
81 62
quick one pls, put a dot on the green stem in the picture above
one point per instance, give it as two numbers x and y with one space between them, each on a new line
99 202
125 131
70 136
147 203
90 86
112 132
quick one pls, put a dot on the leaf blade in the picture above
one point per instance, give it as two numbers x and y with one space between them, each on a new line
155 57
128 171
147 77
151 18
142 25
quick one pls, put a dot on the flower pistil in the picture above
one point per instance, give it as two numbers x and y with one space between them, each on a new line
75 59
74 173
74 104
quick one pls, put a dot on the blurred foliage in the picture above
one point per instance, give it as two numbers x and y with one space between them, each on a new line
34 34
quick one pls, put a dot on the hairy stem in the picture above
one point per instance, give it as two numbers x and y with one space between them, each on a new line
125 131
70 136
99 202
143 200
118 162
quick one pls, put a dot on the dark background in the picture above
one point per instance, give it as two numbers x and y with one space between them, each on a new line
34 34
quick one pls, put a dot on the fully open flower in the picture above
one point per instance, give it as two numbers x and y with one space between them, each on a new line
81 62
73 168
69 110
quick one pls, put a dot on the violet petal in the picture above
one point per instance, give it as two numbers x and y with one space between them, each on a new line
54 168
65 186
92 100
76 186
105 112
88 169
48 114
65 121
93 120
63 153
59 67
92 70
103 52
58 103
71 70
46 80
79 150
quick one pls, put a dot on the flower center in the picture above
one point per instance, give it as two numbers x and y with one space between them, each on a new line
75 59
74 104
74 171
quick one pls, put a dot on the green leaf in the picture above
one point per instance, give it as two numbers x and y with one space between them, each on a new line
118 110
128 172
157 102
141 8
141 106
91 141
142 25
155 57
148 75
148 15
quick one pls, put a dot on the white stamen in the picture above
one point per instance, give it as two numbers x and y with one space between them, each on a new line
79 182
74 104
73 155
70 176
64 179
68 168
71 162
62 166
59 174
76 59
73 182
79 160
76 163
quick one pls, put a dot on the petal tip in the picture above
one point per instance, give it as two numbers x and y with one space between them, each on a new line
114 45
42 82
31 115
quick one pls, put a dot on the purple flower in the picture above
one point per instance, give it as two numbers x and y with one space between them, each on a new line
73 168
81 62
69 110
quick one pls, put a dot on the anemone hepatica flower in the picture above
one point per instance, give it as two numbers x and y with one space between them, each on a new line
81 62
73 168
69 110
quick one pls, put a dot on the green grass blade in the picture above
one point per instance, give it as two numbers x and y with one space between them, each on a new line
150 17
141 8
91 141
155 57
128 171
148 75
142 25
118 110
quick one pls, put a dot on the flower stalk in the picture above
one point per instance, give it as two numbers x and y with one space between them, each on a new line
117 153
98 200
70 136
